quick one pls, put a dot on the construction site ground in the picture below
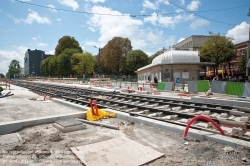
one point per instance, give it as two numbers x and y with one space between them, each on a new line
46 145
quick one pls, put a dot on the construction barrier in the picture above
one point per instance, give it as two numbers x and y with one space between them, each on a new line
235 88
231 88
218 87
203 85
246 89
192 86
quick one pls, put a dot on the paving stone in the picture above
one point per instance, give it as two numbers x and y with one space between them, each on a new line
10 139
68 122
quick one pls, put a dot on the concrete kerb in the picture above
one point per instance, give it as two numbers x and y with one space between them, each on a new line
84 108
13 126
9 127
233 103
197 134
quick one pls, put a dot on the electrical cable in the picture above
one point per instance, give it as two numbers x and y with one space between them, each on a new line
200 15
135 15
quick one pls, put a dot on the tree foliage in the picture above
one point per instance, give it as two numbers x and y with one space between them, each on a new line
243 62
64 61
14 68
135 60
53 66
2 75
45 65
217 49
83 63
67 42
115 52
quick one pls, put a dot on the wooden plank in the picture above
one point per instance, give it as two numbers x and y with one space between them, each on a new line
115 152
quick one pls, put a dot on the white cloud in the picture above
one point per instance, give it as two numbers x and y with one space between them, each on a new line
239 33
194 5
199 23
52 8
96 1
149 5
163 1
182 2
149 53
189 17
51 52
16 20
7 56
142 11
165 21
34 38
91 43
71 3
35 17
42 44
181 39
58 19
170 41
126 26
179 10
92 29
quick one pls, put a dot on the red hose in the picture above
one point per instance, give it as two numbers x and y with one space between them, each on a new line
202 117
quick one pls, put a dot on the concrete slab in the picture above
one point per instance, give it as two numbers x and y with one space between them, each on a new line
117 151
10 140
198 99
68 122
223 102
69 128
241 104
209 101
9 127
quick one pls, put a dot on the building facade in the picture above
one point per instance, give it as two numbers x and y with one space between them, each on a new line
193 42
32 62
184 64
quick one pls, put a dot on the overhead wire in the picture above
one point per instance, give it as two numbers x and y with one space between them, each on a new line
133 15
144 15
199 15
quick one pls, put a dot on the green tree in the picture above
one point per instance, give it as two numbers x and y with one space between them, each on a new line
14 68
228 58
217 49
115 52
83 63
45 66
67 42
64 61
2 75
53 68
243 62
135 60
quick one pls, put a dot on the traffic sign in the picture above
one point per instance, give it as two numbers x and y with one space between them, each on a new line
177 80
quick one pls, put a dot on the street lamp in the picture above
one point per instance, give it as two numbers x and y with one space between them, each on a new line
99 57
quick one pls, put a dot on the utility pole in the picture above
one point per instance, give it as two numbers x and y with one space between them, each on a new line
99 59
247 68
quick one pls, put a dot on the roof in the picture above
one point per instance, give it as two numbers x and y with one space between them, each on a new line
173 56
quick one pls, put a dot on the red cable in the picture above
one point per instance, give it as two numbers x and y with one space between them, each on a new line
202 117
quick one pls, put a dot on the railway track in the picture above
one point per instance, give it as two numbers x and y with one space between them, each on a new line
233 120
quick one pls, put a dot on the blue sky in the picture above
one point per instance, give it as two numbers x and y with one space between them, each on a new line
150 25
